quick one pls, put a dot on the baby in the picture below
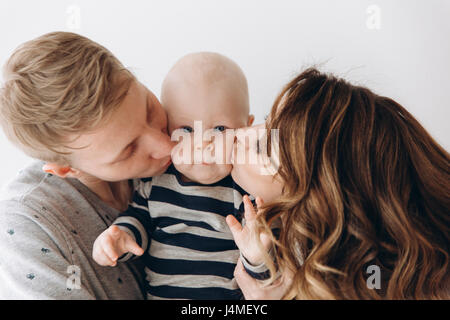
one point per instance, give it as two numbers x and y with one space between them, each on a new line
177 221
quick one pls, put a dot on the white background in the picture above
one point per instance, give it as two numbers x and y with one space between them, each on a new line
407 58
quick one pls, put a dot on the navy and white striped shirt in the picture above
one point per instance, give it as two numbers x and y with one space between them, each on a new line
189 249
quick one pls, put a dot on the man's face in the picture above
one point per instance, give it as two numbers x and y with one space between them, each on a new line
133 143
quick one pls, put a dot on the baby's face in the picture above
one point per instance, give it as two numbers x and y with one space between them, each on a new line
202 117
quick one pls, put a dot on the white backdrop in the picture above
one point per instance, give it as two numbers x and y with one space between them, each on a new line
398 48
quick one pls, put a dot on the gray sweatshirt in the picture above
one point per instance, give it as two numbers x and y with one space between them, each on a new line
48 226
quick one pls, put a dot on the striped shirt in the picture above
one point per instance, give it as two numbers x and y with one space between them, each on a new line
189 249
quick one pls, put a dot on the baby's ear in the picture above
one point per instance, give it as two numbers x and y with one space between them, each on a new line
250 120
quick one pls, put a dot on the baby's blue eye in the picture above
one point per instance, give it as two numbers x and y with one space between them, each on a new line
219 128
187 129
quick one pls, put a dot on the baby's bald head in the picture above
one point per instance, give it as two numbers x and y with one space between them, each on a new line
202 74
210 88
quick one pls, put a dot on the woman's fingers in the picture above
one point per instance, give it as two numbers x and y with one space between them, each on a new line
288 278
253 290
247 284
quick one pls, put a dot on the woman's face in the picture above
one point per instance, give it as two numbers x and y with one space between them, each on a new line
253 169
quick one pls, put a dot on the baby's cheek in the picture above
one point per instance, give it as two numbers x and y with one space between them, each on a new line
222 170
184 169
208 174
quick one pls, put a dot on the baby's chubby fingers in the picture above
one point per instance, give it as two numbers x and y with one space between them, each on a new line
235 227
105 246
111 242
131 246
259 202
99 255
103 259
250 213
109 246
114 232
265 238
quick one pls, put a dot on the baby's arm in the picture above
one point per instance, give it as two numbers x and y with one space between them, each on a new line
128 236
252 255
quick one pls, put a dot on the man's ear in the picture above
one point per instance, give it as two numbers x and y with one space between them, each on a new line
60 171
250 120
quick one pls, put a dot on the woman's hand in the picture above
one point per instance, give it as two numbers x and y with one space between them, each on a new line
253 289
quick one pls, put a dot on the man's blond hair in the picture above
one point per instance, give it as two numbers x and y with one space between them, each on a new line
57 86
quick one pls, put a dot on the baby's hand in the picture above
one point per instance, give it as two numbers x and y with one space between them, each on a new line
113 243
245 237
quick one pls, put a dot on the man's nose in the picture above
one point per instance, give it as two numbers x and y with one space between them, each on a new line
159 144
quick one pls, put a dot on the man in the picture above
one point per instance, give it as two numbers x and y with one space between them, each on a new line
70 103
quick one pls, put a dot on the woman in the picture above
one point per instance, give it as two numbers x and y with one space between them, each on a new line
363 184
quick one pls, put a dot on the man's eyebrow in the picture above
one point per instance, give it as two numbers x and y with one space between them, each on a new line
147 106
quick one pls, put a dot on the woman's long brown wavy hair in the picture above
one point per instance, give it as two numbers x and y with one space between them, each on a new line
365 184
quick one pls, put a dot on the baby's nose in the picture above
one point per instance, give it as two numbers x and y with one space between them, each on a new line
209 147
200 145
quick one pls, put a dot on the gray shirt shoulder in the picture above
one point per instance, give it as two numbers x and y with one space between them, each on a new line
47 229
